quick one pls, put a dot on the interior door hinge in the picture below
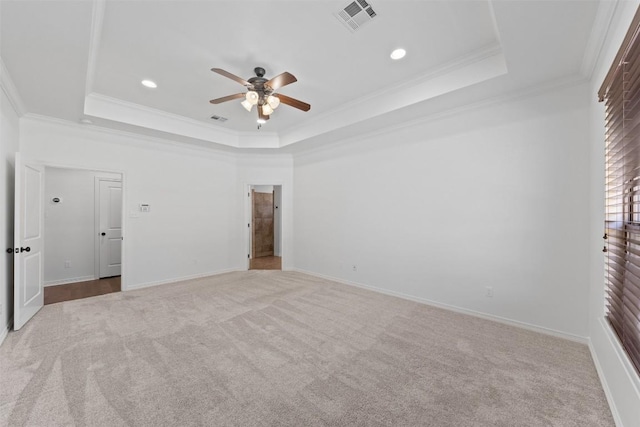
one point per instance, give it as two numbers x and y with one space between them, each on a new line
247 255
249 225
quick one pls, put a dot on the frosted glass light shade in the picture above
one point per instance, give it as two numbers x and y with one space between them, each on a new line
266 109
252 97
247 105
273 101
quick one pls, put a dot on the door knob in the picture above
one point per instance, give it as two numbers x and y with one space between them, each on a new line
103 234
18 250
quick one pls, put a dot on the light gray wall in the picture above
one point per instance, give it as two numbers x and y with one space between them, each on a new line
492 197
69 226
9 141
194 226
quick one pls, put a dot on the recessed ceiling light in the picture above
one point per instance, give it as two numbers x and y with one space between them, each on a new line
149 83
398 54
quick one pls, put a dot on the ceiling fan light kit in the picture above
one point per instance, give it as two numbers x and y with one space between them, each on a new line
261 92
266 109
273 101
247 105
252 97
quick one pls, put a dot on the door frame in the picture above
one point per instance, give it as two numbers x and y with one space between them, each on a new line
46 164
248 219
96 223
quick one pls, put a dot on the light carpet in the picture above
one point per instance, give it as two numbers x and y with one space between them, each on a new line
271 348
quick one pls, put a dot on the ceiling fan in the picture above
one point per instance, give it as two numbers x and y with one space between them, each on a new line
261 93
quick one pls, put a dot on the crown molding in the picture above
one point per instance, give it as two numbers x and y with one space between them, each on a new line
190 127
446 77
105 107
9 88
464 71
525 93
473 69
233 152
599 30
148 141
97 21
460 63
494 22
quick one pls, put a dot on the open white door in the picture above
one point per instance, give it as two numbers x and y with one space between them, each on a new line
28 242
249 218
110 228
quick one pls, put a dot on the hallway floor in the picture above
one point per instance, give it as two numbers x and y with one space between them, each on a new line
91 288
266 263
78 290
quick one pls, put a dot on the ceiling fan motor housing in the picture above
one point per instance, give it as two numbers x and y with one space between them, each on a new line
258 83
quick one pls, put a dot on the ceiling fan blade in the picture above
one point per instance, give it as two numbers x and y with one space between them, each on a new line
231 76
281 80
293 102
227 98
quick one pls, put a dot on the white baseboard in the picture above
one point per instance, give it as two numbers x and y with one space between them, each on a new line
605 386
492 317
179 279
619 370
5 331
70 280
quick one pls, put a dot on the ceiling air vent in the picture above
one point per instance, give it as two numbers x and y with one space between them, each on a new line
219 118
356 14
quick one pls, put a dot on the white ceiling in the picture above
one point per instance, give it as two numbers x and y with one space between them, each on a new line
85 59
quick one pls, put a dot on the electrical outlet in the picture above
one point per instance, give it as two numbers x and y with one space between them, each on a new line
488 291
67 264
354 267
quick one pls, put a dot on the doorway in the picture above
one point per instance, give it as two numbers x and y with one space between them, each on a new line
83 233
54 234
266 225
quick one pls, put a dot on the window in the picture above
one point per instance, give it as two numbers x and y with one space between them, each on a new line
621 95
